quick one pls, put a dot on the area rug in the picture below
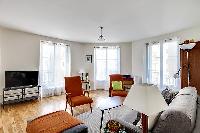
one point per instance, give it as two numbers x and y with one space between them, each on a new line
93 120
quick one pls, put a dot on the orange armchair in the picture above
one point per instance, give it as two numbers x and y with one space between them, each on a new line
75 96
116 77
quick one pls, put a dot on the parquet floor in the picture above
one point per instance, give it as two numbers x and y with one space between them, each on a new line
14 117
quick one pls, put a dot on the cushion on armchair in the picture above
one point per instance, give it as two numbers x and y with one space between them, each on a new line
117 85
119 93
80 100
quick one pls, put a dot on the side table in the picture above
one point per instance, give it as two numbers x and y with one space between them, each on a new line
87 84
108 104
114 126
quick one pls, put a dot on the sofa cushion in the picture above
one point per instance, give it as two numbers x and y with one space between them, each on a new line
188 90
186 101
197 122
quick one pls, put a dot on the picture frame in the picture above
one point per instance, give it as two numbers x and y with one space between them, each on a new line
89 58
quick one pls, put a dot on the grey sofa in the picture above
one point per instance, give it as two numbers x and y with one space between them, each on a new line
182 115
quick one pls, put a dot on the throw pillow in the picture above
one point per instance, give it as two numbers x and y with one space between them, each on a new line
168 95
117 85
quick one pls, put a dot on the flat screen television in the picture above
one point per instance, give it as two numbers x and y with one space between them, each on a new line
21 78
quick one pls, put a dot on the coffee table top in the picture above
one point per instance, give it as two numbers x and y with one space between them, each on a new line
109 102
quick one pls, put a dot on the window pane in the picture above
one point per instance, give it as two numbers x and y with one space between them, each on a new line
100 53
112 53
46 62
109 65
154 67
113 67
170 62
60 60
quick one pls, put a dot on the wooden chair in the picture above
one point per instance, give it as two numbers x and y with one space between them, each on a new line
122 93
75 96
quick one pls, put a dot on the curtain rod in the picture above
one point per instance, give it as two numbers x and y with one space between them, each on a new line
106 46
55 43
165 40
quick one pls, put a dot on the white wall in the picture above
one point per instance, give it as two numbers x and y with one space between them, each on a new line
21 51
0 61
125 58
139 48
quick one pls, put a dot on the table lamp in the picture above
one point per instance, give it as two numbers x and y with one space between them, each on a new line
147 100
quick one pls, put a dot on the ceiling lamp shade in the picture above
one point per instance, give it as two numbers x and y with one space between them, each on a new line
145 99
101 37
188 46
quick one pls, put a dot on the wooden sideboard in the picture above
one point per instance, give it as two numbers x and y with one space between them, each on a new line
128 81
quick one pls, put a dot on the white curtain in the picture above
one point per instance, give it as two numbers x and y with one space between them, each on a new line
54 66
107 61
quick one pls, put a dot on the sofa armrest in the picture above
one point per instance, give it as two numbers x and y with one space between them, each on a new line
129 127
172 121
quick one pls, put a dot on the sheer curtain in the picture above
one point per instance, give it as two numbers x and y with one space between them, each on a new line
54 66
106 62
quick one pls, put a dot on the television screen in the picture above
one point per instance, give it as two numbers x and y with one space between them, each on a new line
21 78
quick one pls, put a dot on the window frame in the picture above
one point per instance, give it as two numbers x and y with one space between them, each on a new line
162 43
106 60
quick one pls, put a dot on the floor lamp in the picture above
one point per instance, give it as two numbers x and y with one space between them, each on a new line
147 100
187 47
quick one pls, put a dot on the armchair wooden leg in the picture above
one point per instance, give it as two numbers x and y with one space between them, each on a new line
66 106
91 107
72 111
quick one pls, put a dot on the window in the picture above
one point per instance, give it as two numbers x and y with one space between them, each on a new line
170 63
107 61
54 66
163 63
154 66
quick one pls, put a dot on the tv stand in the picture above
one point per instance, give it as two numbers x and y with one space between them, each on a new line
20 94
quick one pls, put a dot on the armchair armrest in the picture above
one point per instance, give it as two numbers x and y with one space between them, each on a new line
68 94
84 92
124 87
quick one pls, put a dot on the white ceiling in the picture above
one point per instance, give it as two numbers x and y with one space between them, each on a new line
78 20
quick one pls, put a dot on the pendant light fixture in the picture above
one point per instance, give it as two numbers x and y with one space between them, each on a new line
101 37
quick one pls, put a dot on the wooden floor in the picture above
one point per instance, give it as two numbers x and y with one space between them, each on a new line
14 117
